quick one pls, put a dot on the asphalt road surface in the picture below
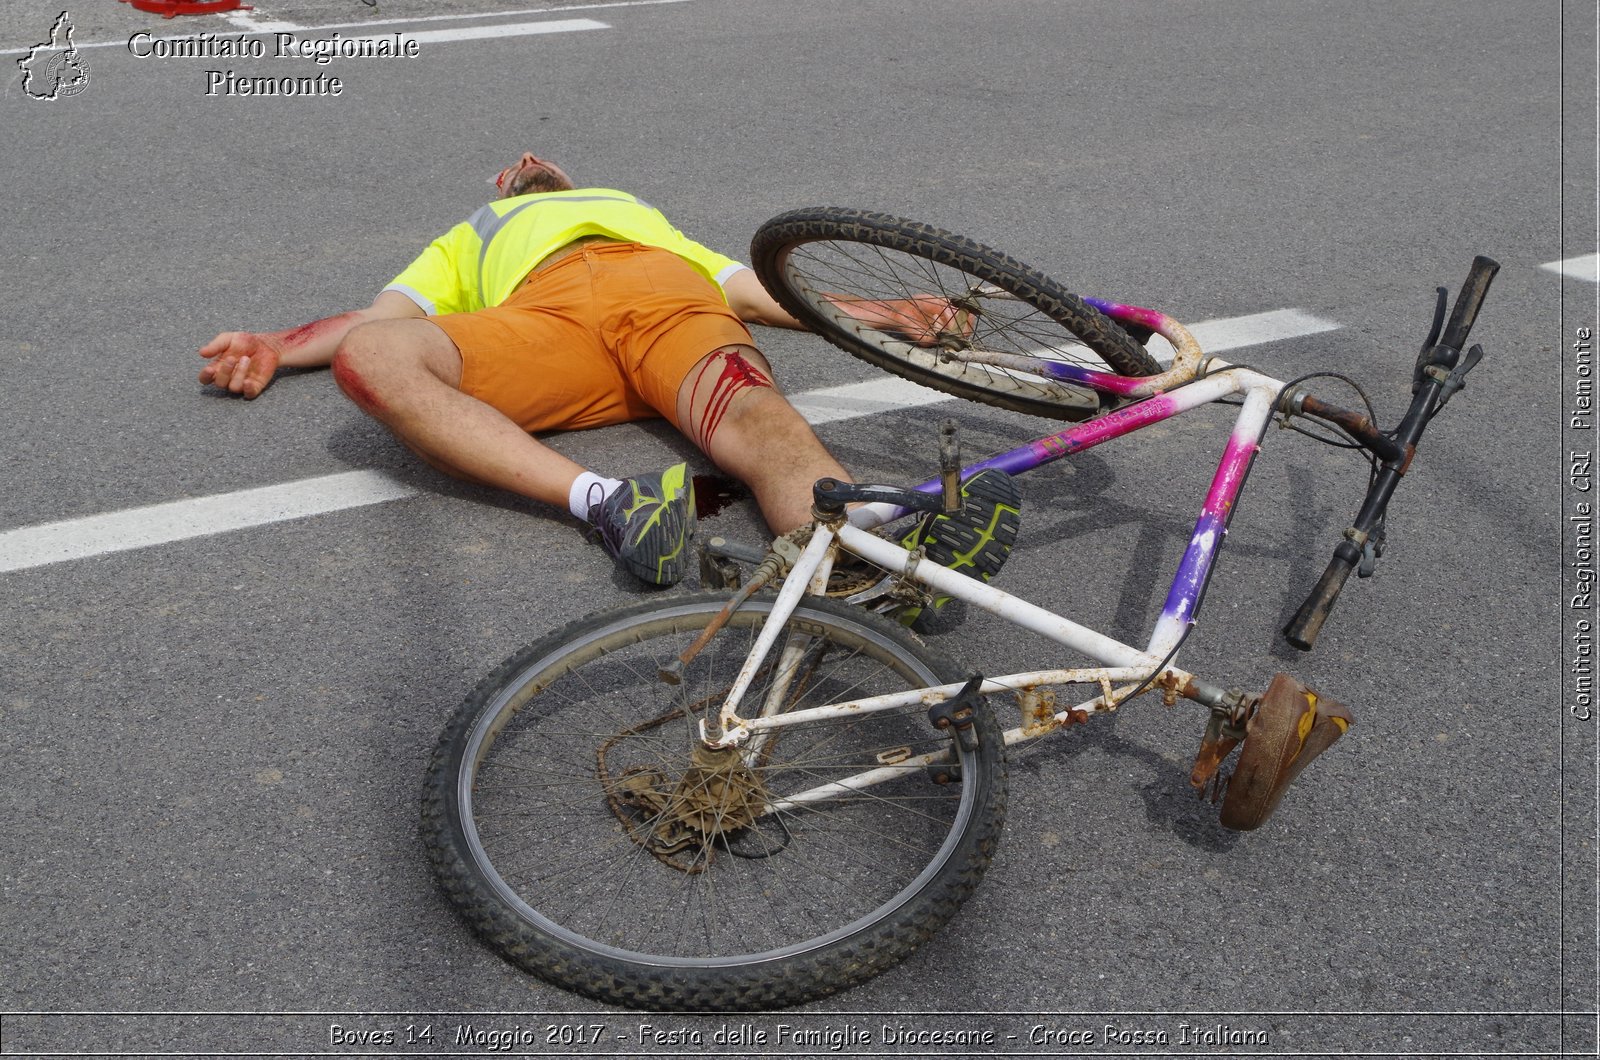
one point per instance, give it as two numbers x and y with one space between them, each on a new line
214 723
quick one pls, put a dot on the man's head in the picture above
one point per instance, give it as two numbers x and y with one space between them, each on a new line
530 175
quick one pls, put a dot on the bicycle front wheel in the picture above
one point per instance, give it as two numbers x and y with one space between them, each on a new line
820 262
578 823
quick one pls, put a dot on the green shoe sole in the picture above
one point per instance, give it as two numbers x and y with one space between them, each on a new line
976 541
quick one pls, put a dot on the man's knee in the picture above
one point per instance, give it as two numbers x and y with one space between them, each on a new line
359 366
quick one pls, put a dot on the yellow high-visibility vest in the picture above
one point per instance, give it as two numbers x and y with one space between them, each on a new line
480 261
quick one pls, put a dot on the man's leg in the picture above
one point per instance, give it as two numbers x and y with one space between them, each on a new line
405 374
728 406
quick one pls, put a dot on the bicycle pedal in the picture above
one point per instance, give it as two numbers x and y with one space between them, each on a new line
718 571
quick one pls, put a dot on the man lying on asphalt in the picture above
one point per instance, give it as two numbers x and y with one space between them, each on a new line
559 308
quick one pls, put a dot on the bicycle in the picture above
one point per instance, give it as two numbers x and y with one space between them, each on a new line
748 799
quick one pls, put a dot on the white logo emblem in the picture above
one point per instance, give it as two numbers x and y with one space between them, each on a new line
55 68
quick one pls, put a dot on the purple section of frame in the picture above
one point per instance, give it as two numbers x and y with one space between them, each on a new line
1074 439
1209 529
1133 314
1194 570
1105 382
1110 382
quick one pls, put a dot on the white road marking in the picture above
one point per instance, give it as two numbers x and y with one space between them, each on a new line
492 14
251 24
863 399
1214 336
1231 333
1586 267
159 524
248 25
499 29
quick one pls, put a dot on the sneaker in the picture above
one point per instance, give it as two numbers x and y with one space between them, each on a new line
975 541
646 524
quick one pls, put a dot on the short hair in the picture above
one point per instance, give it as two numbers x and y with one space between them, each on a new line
536 179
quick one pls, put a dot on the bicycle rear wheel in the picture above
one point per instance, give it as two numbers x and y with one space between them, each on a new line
574 824
815 261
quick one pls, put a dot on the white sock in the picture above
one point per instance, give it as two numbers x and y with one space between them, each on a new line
589 489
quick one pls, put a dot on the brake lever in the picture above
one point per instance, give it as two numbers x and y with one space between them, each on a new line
1458 378
1441 300
1371 551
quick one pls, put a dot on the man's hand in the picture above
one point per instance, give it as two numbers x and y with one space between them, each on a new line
241 362
244 362
924 319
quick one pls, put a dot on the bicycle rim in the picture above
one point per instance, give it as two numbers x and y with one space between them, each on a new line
585 846
817 261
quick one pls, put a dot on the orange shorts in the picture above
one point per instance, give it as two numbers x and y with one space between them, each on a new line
604 335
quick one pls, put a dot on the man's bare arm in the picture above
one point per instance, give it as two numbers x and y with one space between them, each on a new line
753 305
923 319
245 362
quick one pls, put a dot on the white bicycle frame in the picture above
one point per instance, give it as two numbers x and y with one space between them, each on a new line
1125 669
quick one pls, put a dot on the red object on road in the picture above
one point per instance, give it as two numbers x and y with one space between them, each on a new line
169 8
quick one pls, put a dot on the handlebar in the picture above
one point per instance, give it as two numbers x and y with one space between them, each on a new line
1307 622
1469 301
1441 371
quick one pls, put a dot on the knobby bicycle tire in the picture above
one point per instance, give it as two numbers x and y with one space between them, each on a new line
814 259
566 760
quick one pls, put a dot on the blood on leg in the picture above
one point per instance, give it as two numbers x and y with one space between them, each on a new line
729 406
713 386
354 385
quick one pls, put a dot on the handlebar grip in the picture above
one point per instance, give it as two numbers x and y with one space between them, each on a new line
1307 622
1469 301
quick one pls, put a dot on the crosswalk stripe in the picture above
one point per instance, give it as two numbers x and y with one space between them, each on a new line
159 524
1214 336
1583 267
